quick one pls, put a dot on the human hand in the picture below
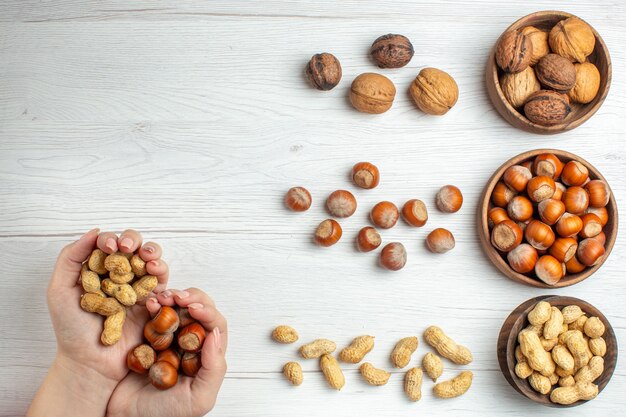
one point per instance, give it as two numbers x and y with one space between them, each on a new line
191 396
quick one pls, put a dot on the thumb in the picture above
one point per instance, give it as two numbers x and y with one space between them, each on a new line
69 262
208 381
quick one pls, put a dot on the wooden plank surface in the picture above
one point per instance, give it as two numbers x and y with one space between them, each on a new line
189 120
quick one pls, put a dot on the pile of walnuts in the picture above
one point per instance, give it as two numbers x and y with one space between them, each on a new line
545 71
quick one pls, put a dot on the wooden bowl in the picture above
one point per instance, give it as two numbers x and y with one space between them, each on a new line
580 112
518 319
501 263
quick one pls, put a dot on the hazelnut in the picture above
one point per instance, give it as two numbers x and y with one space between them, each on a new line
368 239
574 266
590 251
506 236
440 241
549 269
449 199
516 87
547 164
328 233
517 177
523 258
539 235
539 39
587 83
601 212
540 188
520 209
415 213
550 210
298 199
372 93
573 39
599 193
556 72
384 214
392 51
513 51
496 215
564 248
569 225
547 108
341 203
434 91
323 71
365 175
576 200
574 173
393 256
502 195
592 225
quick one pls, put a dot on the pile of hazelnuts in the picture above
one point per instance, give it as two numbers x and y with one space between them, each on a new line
384 215
548 218
174 341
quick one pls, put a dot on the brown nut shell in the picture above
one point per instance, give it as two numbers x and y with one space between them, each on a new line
392 51
556 72
517 87
323 71
372 93
573 39
539 39
514 51
587 83
434 91
547 107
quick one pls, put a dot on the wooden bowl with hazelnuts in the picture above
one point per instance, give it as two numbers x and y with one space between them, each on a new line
549 72
547 218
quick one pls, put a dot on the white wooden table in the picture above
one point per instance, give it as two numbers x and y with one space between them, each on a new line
189 121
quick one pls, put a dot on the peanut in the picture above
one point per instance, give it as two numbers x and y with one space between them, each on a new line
455 386
549 344
579 324
356 351
372 375
594 327
317 348
94 303
569 395
597 346
540 313
538 330
577 346
90 281
523 370
554 326
117 263
566 381
121 278
563 358
96 262
113 324
446 347
519 356
571 313
144 286
563 373
138 266
554 379
536 356
401 354
413 384
293 372
285 334
124 293
433 365
540 383
591 371
332 372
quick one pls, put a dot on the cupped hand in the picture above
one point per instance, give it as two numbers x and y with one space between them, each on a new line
78 332
191 396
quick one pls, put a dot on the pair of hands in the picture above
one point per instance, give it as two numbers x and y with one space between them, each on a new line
97 374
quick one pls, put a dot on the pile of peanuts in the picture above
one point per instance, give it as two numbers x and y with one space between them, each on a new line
548 218
400 357
562 348
384 215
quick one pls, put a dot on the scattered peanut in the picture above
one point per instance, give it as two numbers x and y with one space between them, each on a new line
356 351
332 372
374 376
433 365
293 372
401 354
285 334
317 348
413 384
569 395
455 386
446 347
94 303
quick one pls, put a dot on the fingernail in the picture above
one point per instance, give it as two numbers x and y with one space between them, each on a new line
110 244
88 233
148 248
152 300
182 294
217 338
155 263
195 306
167 293
126 243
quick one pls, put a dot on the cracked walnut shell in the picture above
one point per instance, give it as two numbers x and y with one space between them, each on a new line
372 93
434 91
573 39
519 86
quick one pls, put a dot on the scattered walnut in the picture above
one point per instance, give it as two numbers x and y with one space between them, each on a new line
392 51
323 71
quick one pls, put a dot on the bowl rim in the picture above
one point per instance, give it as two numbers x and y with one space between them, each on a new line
499 261
492 79
507 343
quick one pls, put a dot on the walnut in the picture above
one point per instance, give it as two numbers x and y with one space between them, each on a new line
587 83
323 71
556 72
547 107
392 51
539 39
372 93
513 51
434 91
517 87
573 39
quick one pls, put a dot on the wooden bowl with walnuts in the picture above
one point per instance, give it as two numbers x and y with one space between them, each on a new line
549 72
577 377
547 218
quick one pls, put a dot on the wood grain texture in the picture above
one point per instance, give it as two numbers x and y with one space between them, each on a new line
189 120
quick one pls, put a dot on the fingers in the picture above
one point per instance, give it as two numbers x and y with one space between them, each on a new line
210 318
107 242
129 241
150 251
208 381
71 258
153 306
161 270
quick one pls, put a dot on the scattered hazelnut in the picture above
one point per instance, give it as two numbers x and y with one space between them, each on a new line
415 213
547 107
517 87
372 93
368 239
587 83
365 175
539 39
434 91
328 233
163 375
573 39
449 199
392 51
341 203
298 199
384 214
323 71
440 241
556 72
513 51
140 359
393 256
